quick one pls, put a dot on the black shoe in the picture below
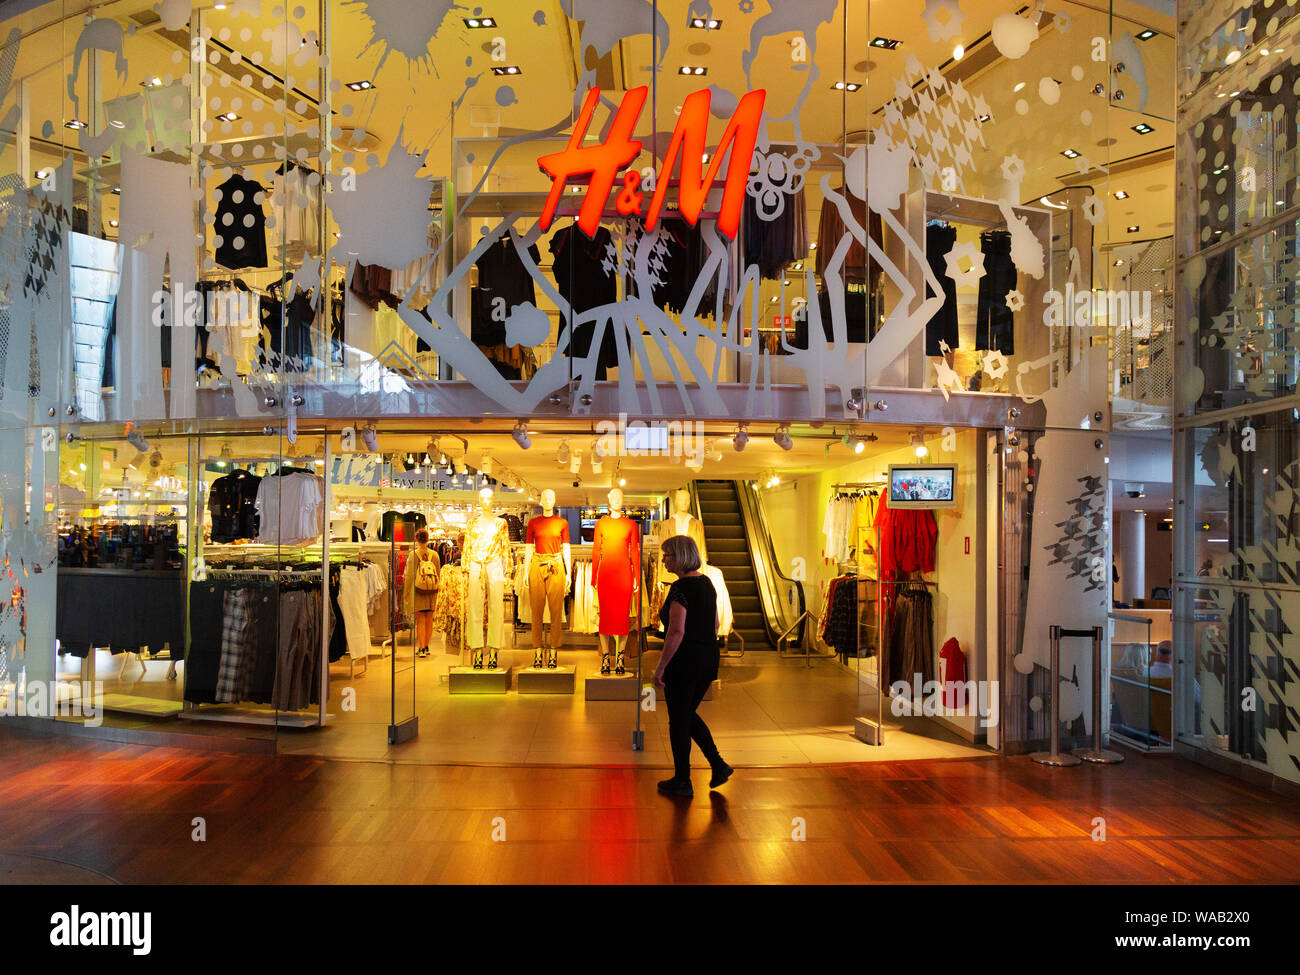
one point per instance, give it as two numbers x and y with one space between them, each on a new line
604 666
554 661
720 775
619 669
537 658
677 787
478 659
492 660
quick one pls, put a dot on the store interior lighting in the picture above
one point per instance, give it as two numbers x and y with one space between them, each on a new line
918 445
562 454
741 438
370 437
782 437
520 435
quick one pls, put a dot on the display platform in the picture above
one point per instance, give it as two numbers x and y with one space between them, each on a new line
467 680
611 687
548 680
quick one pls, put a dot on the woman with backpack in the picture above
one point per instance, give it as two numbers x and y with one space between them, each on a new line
420 585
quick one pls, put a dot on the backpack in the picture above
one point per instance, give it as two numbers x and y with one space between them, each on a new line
426 576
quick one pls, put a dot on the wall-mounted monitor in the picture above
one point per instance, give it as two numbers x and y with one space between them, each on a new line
923 485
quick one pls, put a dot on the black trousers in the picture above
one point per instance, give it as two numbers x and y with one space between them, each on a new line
685 725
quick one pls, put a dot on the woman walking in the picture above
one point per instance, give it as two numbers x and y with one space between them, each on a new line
689 663
420 583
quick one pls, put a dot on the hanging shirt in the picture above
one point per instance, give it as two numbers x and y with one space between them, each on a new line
232 505
291 507
239 231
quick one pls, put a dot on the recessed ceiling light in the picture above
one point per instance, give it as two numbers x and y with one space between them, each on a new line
1142 128
228 117
888 43
1146 35
1232 58
692 69
1070 153
75 123
360 85
1121 195
705 23
112 223
1133 229
846 86
1019 87
986 118
1233 94
477 22
42 173
1119 262
506 69
153 82
958 52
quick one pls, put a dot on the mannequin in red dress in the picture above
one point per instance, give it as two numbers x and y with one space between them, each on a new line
616 573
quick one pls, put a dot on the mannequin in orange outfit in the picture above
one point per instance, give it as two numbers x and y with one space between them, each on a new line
549 569
616 573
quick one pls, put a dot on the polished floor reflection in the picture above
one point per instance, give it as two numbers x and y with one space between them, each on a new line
125 812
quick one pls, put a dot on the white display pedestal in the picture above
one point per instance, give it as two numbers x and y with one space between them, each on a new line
467 680
611 687
865 729
548 680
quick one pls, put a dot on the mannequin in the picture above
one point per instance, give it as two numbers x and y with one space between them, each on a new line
486 559
680 522
615 573
548 566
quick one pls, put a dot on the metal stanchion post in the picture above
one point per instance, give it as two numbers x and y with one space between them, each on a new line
1097 754
1054 756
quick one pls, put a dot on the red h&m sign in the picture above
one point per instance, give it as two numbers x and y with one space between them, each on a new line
602 162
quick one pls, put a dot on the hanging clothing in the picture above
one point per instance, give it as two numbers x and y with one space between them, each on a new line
291 508
232 506
858 266
585 608
910 641
353 603
239 230
615 567
583 268
726 618
449 608
995 322
774 244
401 524
942 326
503 284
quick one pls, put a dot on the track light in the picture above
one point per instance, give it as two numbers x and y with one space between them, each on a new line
485 465
918 445
782 437
597 462
575 460
562 455
520 435
740 438
137 440
856 444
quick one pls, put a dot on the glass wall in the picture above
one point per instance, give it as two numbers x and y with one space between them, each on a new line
1235 385
364 212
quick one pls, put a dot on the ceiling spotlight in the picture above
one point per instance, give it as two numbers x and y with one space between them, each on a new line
1142 129
782 438
370 437
1121 195
227 117
479 22
359 85
520 435
506 69
227 452
597 462
740 438
693 69
562 455
75 123
137 440
485 465
1133 229
1146 35
856 444
112 223
1070 153
622 482
958 53
153 82
918 445
888 43
464 470
575 460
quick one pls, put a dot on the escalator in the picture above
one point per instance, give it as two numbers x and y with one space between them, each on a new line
764 601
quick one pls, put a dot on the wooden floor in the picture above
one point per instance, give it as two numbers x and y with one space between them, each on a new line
126 813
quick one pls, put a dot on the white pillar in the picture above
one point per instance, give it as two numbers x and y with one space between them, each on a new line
1132 556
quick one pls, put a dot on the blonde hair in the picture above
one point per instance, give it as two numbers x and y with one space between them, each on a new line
685 553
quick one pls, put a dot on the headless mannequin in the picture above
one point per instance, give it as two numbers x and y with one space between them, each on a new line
486 521
609 643
551 636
